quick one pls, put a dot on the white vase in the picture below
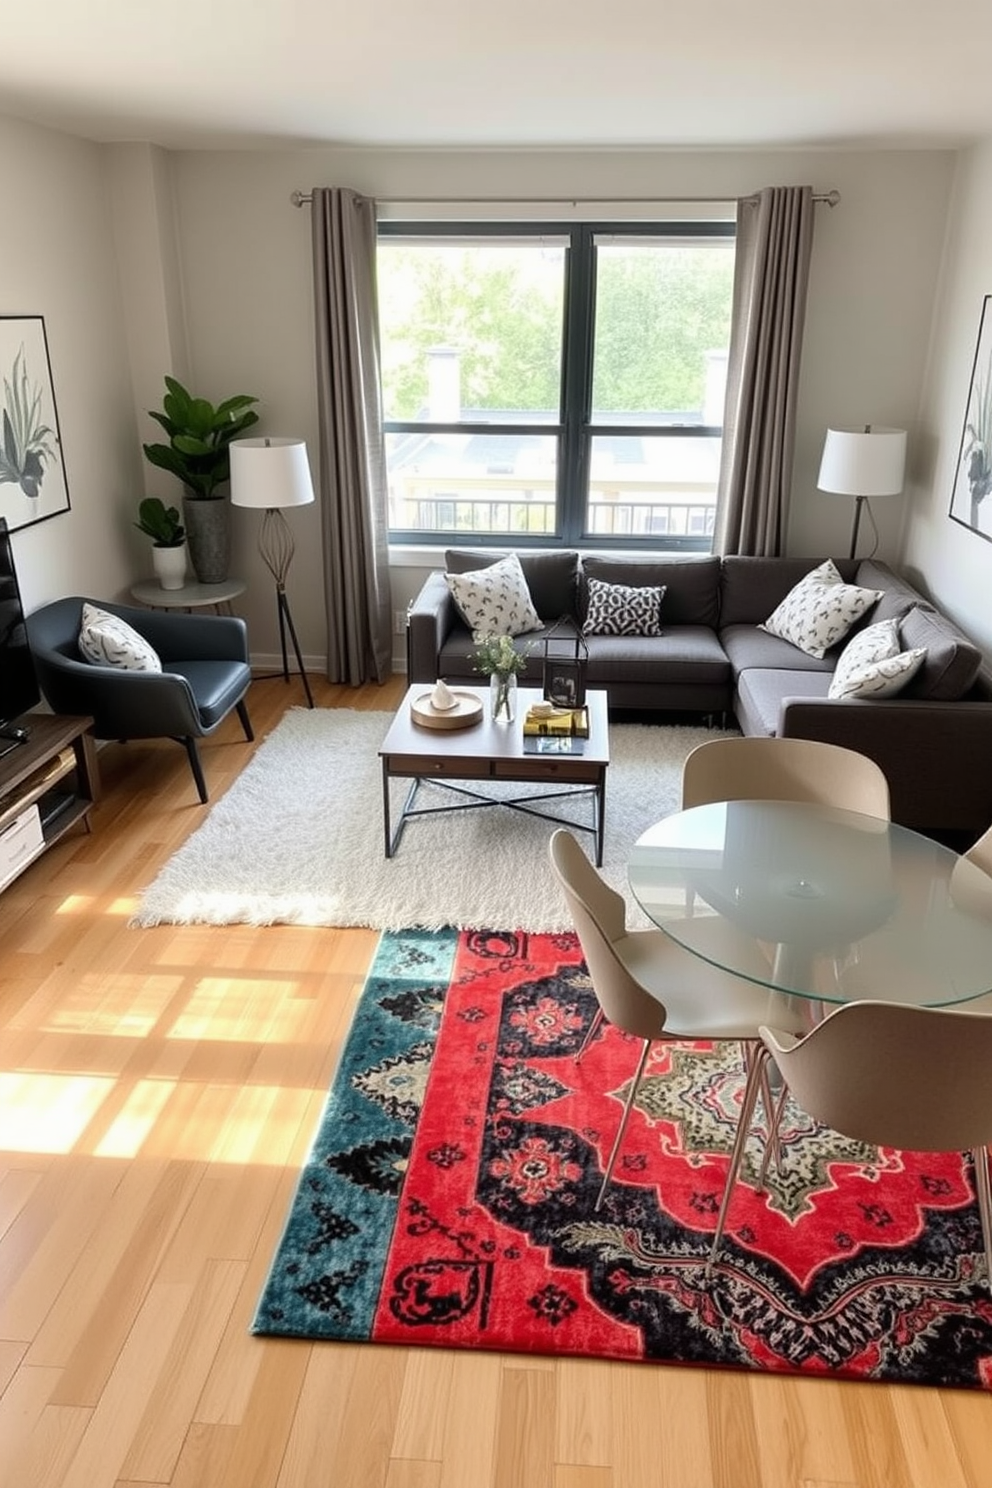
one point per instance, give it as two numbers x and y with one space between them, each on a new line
170 566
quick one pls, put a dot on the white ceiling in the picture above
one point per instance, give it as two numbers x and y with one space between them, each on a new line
716 73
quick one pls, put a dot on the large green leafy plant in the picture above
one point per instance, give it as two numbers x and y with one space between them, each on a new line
199 437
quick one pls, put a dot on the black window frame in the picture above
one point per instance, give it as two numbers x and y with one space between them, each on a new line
574 430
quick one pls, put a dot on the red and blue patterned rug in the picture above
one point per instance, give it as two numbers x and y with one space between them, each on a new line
449 1195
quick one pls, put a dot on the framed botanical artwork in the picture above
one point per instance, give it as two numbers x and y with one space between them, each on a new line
973 474
33 484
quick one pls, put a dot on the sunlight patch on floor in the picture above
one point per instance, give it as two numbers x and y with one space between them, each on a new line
48 1113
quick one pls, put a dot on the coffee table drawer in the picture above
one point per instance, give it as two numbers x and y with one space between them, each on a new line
570 771
432 764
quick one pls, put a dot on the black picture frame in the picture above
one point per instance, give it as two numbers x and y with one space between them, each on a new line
973 471
33 483
564 681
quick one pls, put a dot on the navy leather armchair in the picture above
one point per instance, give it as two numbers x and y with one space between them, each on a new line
205 673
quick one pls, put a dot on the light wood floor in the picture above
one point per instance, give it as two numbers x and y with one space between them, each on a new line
158 1089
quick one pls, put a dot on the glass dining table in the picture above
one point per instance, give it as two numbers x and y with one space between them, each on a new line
818 904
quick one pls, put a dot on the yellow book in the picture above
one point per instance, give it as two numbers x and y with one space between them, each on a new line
560 724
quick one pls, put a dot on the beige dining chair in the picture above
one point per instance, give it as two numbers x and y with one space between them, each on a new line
897 1076
651 988
770 769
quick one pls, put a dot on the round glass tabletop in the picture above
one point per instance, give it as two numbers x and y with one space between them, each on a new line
820 903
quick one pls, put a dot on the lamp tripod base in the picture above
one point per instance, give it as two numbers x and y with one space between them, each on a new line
286 624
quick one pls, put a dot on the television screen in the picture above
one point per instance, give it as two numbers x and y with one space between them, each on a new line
18 684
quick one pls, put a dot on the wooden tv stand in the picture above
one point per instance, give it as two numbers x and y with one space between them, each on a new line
47 785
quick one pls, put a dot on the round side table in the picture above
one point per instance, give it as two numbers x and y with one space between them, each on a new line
190 596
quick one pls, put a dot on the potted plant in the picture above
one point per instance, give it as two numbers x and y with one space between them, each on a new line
198 454
161 523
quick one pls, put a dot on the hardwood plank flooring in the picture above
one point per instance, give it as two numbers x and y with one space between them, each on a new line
158 1090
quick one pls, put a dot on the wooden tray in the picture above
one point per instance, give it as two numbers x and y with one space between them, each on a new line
467 710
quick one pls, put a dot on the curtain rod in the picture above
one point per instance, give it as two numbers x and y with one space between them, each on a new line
304 198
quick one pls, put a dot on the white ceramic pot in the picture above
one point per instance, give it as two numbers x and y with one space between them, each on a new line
170 566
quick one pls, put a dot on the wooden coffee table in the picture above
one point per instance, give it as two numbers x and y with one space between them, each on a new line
493 751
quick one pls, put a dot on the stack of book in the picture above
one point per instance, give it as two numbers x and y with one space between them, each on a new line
565 723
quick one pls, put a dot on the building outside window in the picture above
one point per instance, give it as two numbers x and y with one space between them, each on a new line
547 383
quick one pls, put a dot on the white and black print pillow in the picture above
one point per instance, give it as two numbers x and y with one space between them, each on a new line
820 610
495 600
623 609
107 640
871 665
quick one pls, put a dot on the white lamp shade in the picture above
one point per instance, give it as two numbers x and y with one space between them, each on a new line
863 462
270 473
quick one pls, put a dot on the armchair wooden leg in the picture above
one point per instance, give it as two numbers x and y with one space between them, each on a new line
193 755
245 721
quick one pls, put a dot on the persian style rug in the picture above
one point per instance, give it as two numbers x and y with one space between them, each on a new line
298 837
449 1195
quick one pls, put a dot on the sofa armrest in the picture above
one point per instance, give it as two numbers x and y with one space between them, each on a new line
935 755
429 621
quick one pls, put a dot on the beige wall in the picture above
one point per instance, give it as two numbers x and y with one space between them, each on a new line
245 256
58 261
955 563
144 262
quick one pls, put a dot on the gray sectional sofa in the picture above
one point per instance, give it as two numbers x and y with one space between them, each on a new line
934 740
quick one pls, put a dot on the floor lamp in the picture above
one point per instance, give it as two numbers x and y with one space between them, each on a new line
272 474
863 462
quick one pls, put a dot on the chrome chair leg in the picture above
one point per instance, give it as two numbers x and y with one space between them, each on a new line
773 1147
591 1033
756 1070
984 1191
623 1120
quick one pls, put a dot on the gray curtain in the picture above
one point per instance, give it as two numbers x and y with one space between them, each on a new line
774 242
353 489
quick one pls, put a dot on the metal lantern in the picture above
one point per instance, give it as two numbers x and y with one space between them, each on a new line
566 656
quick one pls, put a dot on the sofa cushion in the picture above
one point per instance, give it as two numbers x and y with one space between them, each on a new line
495 600
107 640
760 693
872 665
692 585
898 596
689 655
952 663
623 609
820 610
552 578
750 646
750 588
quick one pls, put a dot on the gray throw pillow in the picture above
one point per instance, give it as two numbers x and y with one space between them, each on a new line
952 663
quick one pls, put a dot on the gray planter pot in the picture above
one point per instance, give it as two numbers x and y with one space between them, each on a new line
208 536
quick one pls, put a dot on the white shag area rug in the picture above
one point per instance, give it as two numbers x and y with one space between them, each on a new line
298 838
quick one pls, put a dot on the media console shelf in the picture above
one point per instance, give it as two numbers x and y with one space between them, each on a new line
47 785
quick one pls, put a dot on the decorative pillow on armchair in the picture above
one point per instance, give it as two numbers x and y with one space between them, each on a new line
871 665
820 610
623 609
495 600
107 640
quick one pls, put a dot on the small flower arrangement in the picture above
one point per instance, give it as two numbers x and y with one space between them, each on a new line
498 659
497 655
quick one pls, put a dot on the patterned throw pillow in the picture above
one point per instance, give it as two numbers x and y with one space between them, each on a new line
108 640
623 609
495 600
820 610
872 666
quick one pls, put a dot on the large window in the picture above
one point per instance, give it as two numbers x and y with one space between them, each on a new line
555 382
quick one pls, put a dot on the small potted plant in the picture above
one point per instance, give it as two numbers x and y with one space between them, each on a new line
161 523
